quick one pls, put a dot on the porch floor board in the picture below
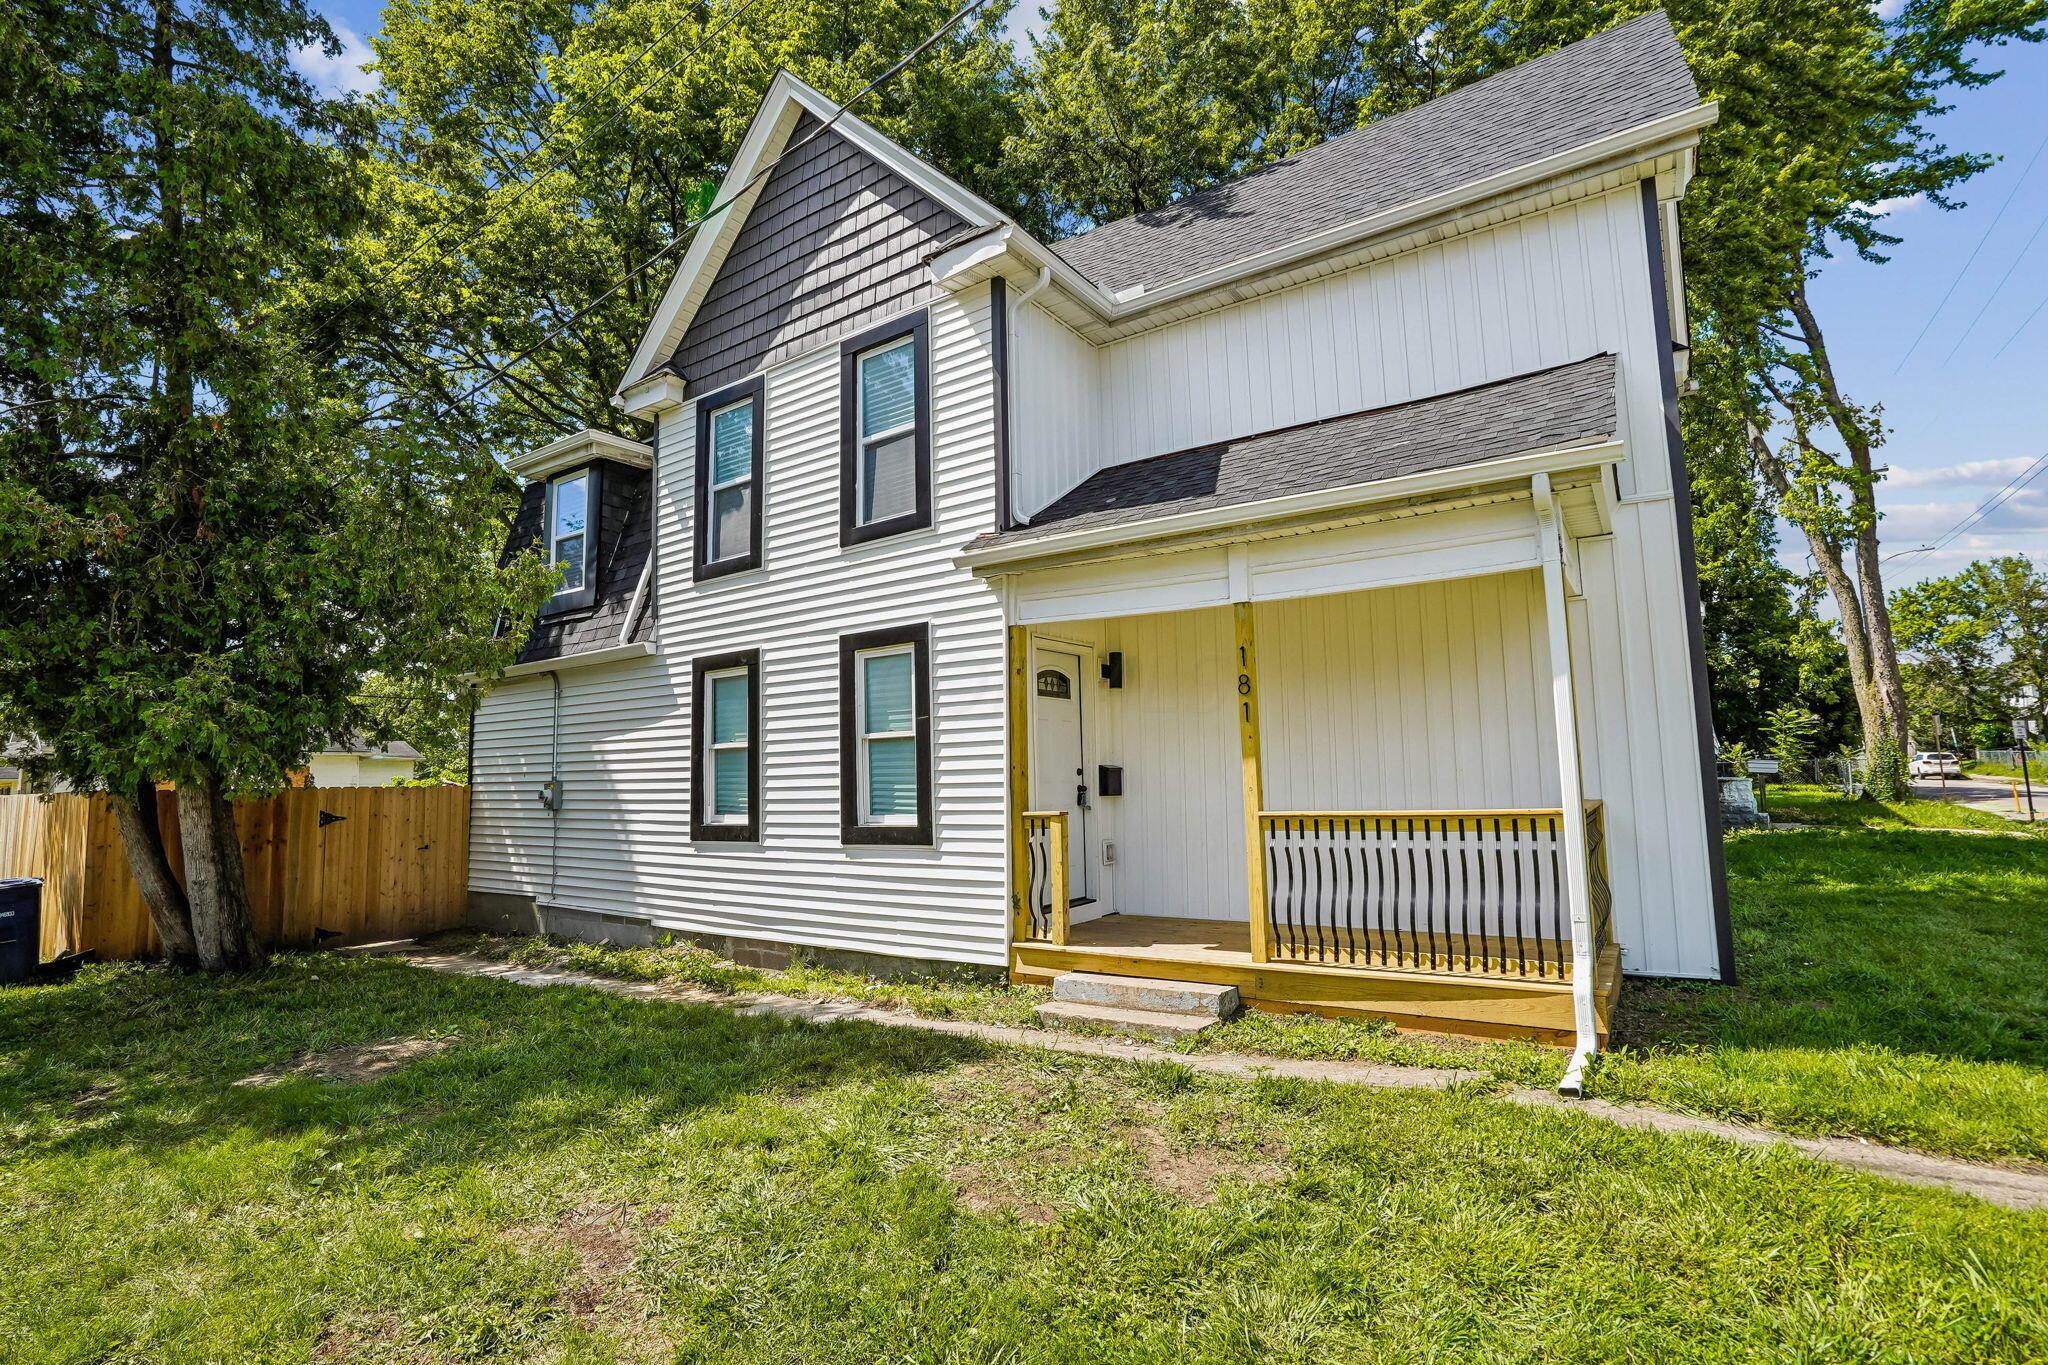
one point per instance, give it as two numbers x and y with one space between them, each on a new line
1441 998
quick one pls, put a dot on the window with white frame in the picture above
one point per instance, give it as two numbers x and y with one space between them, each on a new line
729 459
730 493
885 432
885 739
887 682
568 520
887 469
726 794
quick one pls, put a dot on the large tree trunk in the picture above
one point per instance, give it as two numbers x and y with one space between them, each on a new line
142 837
221 923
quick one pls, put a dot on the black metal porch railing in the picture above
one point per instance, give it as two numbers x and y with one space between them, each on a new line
1453 891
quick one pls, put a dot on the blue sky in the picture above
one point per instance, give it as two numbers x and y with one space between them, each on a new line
1966 416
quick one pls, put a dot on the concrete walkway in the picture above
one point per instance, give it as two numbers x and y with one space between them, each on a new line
2011 1187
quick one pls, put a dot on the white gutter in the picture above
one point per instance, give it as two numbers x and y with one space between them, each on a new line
609 654
1545 461
1009 395
639 600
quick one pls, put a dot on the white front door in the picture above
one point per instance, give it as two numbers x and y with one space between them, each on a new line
1057 777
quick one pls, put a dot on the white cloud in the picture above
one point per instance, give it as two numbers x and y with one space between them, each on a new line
1991 472
1890 9
343 74
1905 203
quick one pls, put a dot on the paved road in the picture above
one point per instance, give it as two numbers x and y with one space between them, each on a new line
1988 794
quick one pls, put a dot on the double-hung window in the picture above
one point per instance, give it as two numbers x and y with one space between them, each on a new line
885 736
725 797
570 535
885 432
729 448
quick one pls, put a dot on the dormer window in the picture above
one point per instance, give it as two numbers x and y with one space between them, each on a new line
568 524
885 433
729 448
570 534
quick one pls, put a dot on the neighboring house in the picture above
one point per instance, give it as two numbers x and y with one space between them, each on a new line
1292 587
358 763
10 780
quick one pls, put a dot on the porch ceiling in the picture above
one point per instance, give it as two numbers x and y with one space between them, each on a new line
1374 452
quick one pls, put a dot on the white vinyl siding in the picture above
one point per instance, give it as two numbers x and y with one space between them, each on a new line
729 500
621 842
1538 291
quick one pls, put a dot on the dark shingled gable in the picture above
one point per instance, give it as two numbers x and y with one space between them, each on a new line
1558 406
1610 82
625 540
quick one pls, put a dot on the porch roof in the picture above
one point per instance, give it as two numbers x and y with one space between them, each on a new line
1566 405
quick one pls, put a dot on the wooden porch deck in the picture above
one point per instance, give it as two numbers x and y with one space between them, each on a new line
1485 1004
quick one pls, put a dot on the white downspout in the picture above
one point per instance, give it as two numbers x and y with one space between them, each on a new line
639 600
1571 790
1010 350
551 795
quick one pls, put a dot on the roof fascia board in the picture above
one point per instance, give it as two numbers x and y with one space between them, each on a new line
670 320
1549 459
580 448
639 649
766 137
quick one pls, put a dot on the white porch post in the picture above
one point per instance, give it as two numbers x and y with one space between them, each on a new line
1571 786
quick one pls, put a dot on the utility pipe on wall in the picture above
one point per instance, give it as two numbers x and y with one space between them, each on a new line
1010 349
551 794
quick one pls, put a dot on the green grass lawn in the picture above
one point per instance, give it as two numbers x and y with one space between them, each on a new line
1893 985
570 1176
1803 805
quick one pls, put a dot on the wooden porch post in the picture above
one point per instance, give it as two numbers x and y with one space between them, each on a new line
1571 781
1247 688
1019 782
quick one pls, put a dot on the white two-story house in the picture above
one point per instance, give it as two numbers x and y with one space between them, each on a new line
1291 588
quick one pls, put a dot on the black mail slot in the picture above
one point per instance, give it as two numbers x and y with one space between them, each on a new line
1109 781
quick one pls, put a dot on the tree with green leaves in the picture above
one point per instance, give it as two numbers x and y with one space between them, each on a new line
206 543
1791 732
531 158
1976 645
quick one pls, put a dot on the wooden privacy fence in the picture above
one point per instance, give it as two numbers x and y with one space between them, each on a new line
355 862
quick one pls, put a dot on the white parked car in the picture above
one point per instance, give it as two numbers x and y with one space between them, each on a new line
1935 765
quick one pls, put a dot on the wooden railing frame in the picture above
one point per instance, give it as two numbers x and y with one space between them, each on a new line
1058 902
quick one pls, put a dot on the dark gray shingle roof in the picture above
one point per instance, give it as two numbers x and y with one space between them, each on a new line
1567 403
1610 82
625 540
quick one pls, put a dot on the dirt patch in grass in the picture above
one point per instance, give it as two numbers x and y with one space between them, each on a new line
986 1194
606 1292
1194 1172
355 1064
379 1336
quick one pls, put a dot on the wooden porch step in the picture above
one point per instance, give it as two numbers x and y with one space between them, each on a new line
1163 1025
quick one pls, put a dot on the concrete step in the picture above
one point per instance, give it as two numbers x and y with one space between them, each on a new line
1145 993
1158 1024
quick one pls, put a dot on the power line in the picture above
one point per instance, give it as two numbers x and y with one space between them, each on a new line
1993 296
823 127
1984 509
496 211
1998 218
2024 324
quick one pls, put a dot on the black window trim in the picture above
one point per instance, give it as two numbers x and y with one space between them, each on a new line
585 597
751 390
702 828
851 647
917 326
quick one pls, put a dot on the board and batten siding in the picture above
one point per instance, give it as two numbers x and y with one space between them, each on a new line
1542 290
621 843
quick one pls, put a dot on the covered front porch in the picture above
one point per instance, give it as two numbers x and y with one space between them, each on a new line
1350 786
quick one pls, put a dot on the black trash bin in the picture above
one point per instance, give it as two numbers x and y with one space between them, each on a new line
21 928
